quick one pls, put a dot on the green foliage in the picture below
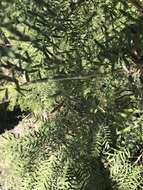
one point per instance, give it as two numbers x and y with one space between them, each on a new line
77 66
52 159
123 172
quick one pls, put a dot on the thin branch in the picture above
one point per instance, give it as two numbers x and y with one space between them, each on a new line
138 158
60 78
